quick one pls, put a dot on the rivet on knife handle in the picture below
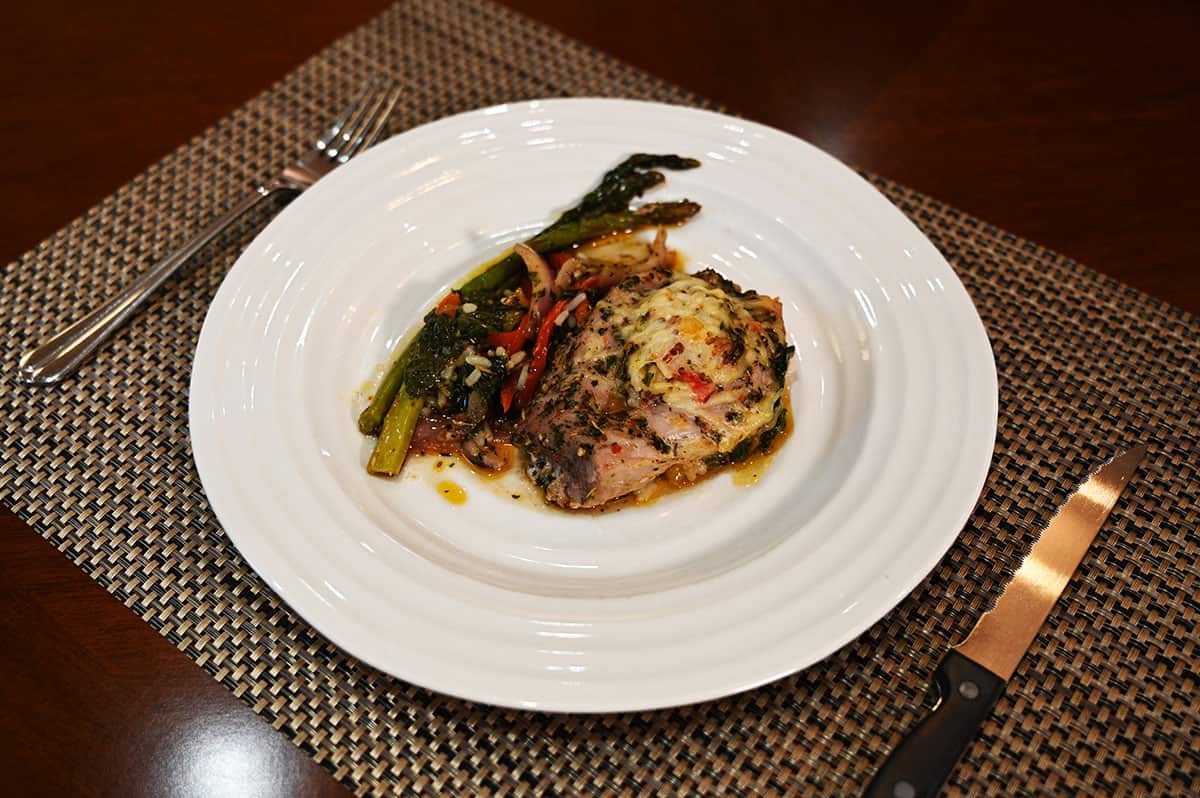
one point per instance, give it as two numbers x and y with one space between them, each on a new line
971 678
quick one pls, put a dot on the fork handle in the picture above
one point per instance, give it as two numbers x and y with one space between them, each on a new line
61 355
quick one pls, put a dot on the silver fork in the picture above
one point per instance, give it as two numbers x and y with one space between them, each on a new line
354 131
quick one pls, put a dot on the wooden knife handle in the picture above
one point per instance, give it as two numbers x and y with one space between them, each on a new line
920 764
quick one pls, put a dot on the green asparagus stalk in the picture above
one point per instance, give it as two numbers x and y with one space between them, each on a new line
561 236
655 214
394 436
622 183
371 419
498 275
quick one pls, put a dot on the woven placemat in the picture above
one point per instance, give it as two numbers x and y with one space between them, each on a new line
1105 702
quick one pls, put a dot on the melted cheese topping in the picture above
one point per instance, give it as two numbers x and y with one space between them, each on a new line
683 342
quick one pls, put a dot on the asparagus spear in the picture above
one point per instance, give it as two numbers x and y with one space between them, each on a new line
654 214
621 184
561 236
371 419
498 275
396 433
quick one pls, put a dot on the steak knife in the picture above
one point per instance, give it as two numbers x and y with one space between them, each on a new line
971 677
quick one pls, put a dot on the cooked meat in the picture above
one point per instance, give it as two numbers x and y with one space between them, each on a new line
484 446
438 434
669 371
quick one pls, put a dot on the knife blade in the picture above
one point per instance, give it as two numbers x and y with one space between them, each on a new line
970 679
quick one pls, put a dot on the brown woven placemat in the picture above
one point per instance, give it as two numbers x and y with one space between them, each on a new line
1105 702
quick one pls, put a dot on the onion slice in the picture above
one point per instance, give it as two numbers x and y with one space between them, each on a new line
541 280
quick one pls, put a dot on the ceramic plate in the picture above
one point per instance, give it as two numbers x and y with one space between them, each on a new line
706 592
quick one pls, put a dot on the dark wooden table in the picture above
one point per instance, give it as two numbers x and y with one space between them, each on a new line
1073 125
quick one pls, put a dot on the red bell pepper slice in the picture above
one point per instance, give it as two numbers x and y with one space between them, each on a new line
581 312
541 350
449 305
509 389
512 340
702 387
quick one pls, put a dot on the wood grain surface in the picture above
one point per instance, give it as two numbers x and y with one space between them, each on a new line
1072 124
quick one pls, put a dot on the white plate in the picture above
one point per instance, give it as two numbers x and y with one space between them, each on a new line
708 592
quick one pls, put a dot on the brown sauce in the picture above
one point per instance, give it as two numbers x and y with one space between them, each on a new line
750 471
508 453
